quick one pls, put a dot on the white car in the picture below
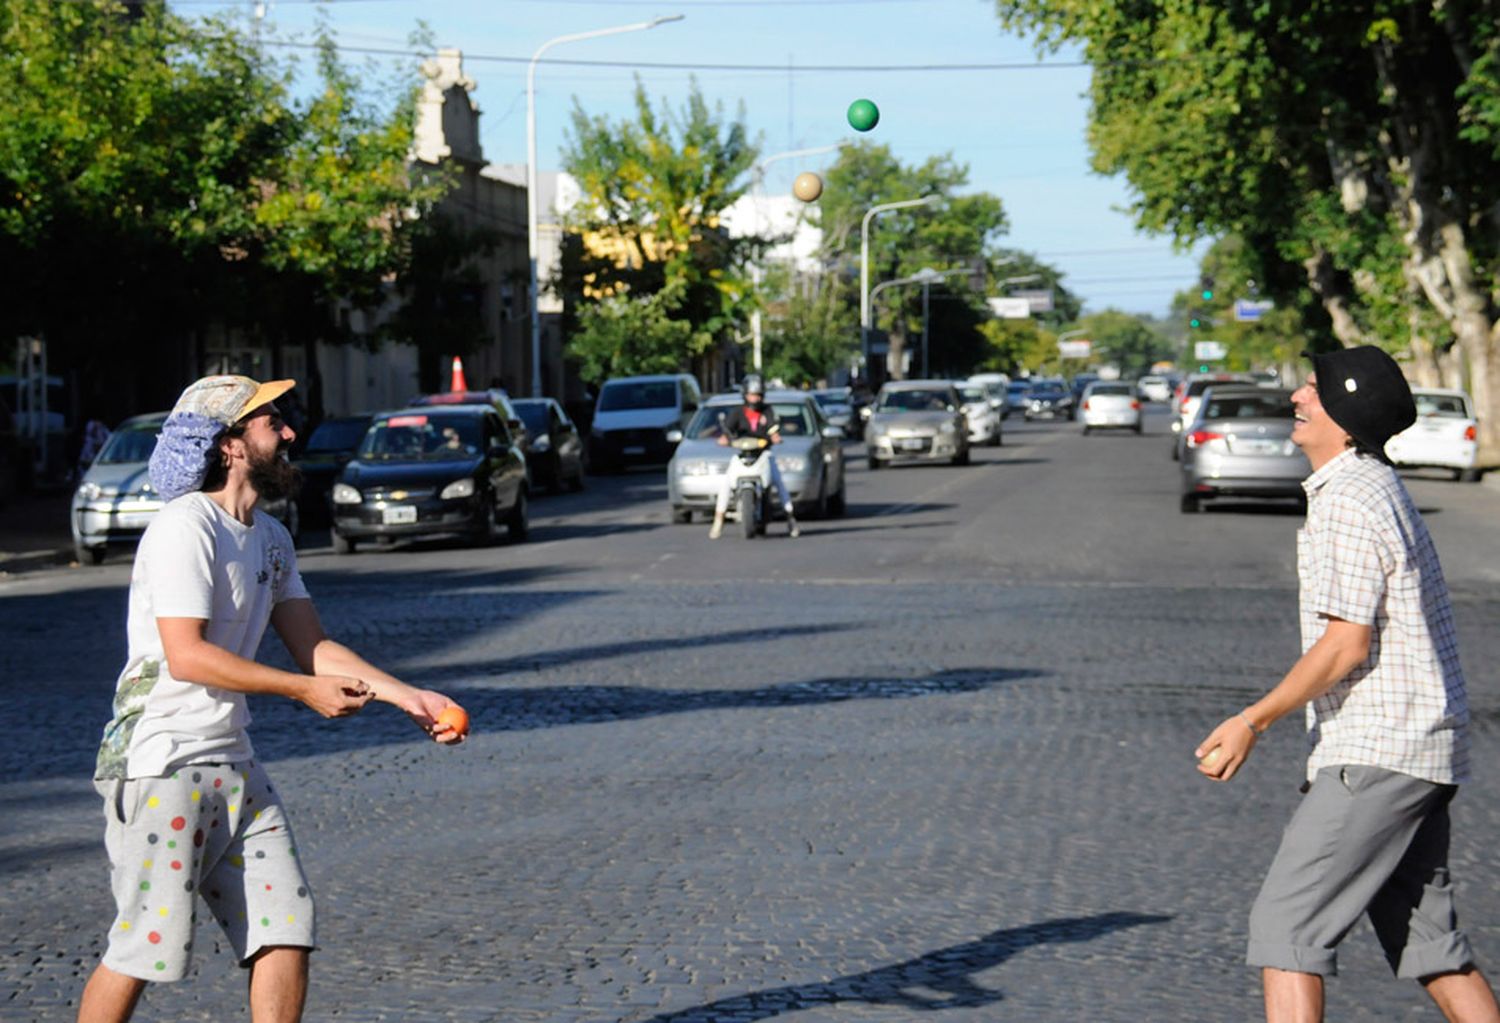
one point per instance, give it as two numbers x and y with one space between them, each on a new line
1445 435
1153 388
1110 405
981 413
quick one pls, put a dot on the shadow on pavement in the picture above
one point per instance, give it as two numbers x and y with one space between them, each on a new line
868 510
939 980
285 729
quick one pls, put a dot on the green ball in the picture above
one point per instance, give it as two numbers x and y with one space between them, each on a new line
863 115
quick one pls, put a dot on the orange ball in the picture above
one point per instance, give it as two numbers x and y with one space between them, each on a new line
807 186
456 718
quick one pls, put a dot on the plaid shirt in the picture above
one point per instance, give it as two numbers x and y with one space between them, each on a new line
1365 556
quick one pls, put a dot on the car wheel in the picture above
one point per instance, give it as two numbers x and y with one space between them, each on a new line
1176 457
89 555
682 516
820 509
1470 476
1138 430
961 458
995 440
576 484
839 503
1086 431
342 544
518 523
874 463
1191 504
484 532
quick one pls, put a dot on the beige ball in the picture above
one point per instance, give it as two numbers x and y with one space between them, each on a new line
808 186
1211 757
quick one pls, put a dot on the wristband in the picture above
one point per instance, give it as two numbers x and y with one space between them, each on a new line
1251 725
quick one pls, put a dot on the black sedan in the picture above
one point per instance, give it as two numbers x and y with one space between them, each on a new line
328 450
554 450
447 470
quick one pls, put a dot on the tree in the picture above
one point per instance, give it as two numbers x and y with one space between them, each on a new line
156 180
1353 147
653 254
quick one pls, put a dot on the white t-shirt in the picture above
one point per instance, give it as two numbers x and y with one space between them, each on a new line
194 561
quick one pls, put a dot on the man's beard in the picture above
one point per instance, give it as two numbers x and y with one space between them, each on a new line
273 477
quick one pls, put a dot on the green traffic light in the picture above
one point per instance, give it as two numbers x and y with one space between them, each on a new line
1195 323
1208 296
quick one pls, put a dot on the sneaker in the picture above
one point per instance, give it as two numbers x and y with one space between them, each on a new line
792 530
716 529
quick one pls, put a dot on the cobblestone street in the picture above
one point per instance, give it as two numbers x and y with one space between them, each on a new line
933 761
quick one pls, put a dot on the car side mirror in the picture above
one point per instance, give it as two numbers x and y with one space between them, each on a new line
674 436
343 457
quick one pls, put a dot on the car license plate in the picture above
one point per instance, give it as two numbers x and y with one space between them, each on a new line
1259 447
398 514
913 444
634 449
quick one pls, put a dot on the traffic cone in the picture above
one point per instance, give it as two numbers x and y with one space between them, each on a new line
459 383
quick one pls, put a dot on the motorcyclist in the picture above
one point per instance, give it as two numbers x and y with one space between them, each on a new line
753 419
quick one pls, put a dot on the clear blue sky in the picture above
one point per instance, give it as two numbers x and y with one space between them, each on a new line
1020 129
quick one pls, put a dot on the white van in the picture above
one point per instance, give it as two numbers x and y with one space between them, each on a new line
634 415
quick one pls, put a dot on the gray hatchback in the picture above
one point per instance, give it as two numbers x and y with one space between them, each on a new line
1240 445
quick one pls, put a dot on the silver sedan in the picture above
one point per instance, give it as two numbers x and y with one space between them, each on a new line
1240 445
917 421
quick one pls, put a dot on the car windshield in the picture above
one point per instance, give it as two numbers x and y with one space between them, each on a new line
1018 388
972 394
831 397
794 417
130 445
533 414
337 435
1121 390
1443 405
1249 406
627 395
914 401
421 437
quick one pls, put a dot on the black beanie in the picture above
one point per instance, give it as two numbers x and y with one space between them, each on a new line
1365 393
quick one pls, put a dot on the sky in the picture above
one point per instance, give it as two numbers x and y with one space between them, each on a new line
1019 128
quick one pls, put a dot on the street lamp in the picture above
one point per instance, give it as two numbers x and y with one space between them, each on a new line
926 277
864 264
758 174
531 215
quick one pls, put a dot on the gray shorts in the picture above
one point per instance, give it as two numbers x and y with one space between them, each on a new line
216 830
1364 840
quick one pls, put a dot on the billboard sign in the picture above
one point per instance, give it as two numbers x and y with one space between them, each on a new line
1077 348
1248 310
1009 308
1209 351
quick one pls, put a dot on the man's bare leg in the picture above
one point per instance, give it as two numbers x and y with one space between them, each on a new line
1464 997
278 985
109 997
1292 997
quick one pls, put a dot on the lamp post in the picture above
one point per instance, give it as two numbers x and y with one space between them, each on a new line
531 211
864 264
926 277
758 173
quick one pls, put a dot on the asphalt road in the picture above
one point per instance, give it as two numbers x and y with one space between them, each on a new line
930 760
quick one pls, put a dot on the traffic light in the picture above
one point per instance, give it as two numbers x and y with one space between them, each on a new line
1195 323
1206 283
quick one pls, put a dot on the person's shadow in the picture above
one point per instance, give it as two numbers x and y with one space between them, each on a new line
947 973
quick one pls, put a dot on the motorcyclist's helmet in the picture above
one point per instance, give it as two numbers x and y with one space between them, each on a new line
752 384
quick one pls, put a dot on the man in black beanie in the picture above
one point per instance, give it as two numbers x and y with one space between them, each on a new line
1387 716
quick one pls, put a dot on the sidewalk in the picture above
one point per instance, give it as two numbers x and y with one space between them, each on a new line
34 532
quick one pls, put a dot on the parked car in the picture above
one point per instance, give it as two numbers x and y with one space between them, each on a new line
998 387
1240 445
433 470
633 417
982 416
554 450
496 396
329 448
1190 393
1153 388
1046 399
1445 435
917 421
115 501
837 404
1110 405
810 457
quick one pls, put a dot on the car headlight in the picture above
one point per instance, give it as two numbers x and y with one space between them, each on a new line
541 444
457 489
343 493
697 468
90 492
792 463
948 427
